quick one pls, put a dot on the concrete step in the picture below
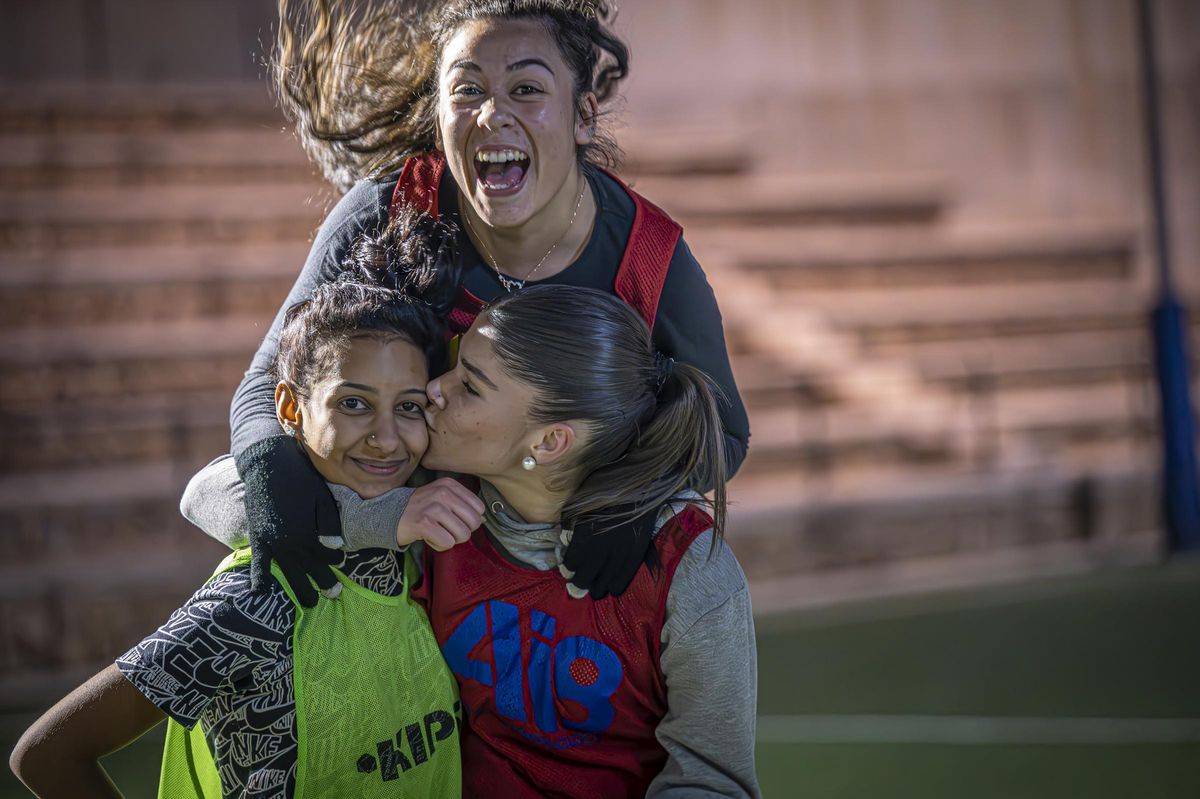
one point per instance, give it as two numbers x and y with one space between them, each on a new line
57 108
117 360
175 214
100 285
202 296
896 318
843 261
759 200
114 430
125 266
797 533
839 437
152 158
1071 357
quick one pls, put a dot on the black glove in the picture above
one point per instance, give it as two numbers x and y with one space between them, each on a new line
605 561
288 506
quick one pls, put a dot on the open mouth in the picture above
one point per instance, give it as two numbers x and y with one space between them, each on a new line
501 170
380 468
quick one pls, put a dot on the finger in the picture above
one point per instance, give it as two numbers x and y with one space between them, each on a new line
434 392
323 576
461 521
325 555
438 539
260 569
298 581
464 495
453 522
329 520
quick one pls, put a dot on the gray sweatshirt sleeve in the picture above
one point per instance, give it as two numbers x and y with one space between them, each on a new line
213 501
710 664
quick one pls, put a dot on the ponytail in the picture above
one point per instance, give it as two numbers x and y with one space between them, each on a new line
680 446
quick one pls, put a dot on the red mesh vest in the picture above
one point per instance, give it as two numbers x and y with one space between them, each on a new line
643 268
561 696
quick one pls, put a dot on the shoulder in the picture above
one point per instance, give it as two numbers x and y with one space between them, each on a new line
705 580
611 195
227 605
364 207
222 631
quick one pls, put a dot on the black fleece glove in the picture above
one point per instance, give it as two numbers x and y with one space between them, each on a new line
606 561
288 506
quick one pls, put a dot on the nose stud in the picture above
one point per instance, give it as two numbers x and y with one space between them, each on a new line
528 463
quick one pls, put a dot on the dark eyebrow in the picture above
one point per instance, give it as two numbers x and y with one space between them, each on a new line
463 63
360 387
475 370
529 62
373 390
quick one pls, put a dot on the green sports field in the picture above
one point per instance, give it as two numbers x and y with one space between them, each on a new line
1084 686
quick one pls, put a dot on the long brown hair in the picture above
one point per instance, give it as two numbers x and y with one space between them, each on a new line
360 81
654 429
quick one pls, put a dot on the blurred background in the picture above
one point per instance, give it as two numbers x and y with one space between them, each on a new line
928 227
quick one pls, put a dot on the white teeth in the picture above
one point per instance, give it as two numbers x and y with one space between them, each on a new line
500 156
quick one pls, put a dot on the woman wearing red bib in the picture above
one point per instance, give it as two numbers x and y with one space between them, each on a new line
486 113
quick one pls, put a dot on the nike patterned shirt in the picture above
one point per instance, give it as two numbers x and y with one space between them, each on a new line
225 659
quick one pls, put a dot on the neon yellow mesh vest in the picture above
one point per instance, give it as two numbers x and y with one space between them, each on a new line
377 710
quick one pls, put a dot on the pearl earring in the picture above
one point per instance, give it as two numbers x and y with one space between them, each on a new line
528 463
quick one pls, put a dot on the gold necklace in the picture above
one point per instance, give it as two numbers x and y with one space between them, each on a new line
511 283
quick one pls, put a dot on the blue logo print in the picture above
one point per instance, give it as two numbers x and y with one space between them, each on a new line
584 671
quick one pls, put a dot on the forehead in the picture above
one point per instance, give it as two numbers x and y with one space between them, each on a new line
496 43
476 347
383 363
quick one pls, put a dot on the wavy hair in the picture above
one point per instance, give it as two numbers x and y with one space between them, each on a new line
359 80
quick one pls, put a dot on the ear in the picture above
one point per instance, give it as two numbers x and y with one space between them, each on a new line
585 125
287 407
557 440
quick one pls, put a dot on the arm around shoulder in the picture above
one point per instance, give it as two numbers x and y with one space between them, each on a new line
59 755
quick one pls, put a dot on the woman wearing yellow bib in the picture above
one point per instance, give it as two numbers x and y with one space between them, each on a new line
265 697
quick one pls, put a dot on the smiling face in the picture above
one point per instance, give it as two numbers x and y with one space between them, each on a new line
362 422
508 120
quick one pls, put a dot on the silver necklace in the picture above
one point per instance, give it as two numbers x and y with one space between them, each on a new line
511 283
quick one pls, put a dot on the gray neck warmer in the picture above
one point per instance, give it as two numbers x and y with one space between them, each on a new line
536 544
